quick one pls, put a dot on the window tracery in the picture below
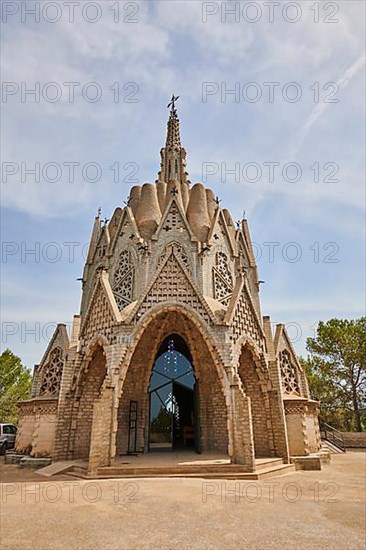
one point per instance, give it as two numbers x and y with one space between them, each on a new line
123 280
288 373
52 373
222 279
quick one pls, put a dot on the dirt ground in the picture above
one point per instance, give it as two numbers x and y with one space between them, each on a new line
313 510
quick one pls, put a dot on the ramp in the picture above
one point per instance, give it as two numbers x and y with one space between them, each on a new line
61 467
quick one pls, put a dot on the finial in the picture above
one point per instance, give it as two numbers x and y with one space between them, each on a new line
99 211
171 105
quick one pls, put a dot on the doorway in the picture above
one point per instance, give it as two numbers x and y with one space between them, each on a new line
173 398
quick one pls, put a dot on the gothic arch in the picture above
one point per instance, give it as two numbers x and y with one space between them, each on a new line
214 395
200 324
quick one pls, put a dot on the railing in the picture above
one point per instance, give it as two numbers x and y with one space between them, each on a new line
332 435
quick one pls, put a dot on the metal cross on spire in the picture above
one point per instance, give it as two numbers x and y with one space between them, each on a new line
171 105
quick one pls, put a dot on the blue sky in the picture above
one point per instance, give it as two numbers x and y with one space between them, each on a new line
169 48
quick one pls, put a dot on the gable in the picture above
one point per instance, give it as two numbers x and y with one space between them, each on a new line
243 248
290 367
102 313
174 222
173 284
242 317
59 339
283 342
127 230
220 232
101 246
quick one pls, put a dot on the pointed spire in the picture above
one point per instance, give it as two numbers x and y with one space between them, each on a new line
173 133
173 155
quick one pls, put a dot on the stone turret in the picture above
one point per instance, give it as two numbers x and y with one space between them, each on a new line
148 214
197 212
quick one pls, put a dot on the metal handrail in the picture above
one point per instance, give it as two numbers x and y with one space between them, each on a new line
332 435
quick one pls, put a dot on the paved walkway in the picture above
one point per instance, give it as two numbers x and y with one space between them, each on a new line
314 510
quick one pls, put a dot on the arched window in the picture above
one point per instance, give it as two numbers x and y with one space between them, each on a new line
288 373
52 373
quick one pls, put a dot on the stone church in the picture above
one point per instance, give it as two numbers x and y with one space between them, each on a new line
170 350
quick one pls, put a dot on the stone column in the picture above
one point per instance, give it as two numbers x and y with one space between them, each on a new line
241 426
100 444
278 421
295 409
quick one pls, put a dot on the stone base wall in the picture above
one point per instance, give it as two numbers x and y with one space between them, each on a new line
302 426
37 427
355 440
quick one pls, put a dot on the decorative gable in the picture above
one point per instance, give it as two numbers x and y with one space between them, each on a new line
174 222
220 232
49 372
102 314
291 370
127 231
242 317
173 284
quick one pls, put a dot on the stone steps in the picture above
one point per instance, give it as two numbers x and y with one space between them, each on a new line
217 474
264 468
329 447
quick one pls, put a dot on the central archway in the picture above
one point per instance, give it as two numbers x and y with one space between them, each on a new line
173 398
203 425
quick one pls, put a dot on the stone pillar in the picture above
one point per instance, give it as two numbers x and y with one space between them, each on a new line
278 420
100 444
295 409
241 428
312 426
65 424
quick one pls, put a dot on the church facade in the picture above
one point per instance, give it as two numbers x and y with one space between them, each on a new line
170 349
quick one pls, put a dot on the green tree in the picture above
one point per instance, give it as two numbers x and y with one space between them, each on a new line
15 384
337 370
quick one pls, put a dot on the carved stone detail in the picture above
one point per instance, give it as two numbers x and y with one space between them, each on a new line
123 280
290 382
222 279
52 372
